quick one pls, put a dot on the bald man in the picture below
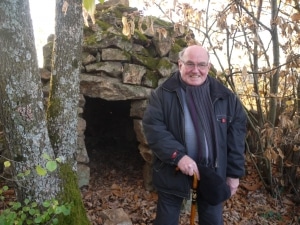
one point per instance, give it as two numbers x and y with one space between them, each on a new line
195 126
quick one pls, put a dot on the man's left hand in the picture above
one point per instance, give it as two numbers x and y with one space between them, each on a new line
233 184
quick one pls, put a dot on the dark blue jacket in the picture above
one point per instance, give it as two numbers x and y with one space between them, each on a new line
163 124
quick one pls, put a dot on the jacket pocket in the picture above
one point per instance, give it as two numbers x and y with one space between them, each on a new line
167 179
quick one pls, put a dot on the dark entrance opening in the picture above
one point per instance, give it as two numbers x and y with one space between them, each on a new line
109 136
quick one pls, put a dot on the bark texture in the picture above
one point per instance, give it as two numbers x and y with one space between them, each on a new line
66 64
62 113
21 102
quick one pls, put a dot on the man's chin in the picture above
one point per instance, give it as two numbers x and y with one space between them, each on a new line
196 82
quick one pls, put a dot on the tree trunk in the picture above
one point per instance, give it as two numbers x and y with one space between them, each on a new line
21 102
66 64
276 62
63 102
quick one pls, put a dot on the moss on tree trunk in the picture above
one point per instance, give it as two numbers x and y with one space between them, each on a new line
71 193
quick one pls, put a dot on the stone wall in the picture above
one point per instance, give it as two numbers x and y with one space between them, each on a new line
125 55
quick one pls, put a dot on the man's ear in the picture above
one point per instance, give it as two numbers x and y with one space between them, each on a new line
179 64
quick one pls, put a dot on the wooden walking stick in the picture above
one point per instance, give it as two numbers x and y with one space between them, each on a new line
194 199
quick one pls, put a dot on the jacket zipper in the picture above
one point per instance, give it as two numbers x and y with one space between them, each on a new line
182 132
216 158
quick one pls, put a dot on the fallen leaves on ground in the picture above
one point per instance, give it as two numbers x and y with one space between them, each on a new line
117 182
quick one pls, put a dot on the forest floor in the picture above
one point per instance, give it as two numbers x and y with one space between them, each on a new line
117 182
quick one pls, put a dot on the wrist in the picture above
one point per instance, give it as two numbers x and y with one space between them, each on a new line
176 156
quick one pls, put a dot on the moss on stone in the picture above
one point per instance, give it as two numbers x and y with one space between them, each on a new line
149 62
176 48
127 55
140 36
153 77
164 63
152 51
71 194
103 25
181 42
119 9
90 40
144 52
109 35
115 11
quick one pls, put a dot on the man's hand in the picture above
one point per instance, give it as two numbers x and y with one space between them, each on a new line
188 166
233 183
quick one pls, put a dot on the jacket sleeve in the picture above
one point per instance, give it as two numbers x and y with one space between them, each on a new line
160 139
236 141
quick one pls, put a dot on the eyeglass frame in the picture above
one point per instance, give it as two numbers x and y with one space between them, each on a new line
191 65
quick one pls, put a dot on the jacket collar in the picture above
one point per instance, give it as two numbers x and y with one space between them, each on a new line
217 90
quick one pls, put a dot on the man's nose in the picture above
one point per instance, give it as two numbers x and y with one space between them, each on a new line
195 68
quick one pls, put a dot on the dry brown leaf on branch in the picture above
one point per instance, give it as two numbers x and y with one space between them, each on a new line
295 17
126 27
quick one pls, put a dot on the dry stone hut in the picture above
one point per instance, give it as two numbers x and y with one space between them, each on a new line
125 55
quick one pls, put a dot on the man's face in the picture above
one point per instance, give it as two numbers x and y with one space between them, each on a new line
194 66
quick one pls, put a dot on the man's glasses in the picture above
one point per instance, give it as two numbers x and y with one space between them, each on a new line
190 65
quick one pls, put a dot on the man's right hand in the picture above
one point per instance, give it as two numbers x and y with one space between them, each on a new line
188 166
